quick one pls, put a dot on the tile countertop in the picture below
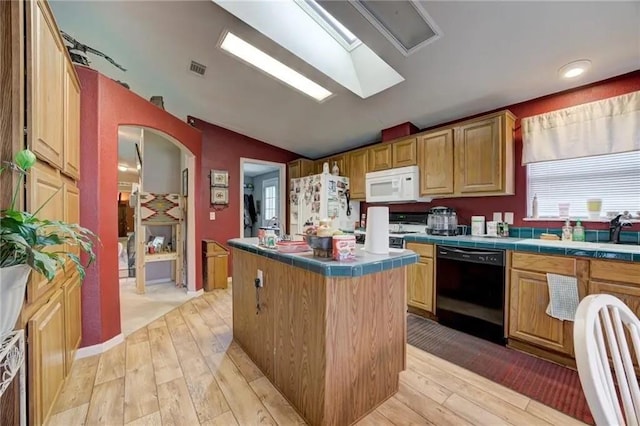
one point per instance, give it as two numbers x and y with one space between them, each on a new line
630 253
364 264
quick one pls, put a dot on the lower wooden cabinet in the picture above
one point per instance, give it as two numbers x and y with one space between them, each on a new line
420 288
46 357
72 319
528 320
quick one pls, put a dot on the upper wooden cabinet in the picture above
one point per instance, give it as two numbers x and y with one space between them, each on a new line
45 84
380 157
404 153
341 162
71 123
435 160
358 168
300 168
484 160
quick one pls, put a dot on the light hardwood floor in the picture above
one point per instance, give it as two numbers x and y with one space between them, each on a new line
184 369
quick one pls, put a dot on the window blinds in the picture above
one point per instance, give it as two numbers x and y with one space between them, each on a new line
615 178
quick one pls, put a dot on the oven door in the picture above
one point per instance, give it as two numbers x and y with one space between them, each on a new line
384 189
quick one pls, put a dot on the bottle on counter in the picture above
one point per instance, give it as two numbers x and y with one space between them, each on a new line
363 221
534 207
567 231
578 232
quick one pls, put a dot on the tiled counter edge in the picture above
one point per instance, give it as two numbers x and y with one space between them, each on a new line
364 264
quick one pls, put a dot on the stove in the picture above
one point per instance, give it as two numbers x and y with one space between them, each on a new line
401 224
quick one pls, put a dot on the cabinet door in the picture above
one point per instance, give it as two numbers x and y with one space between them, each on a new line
404 153
71 207
435 160
340 161
479 159
45 80
358 162
294 169
628 293
72 319
71 122
528 320
45 186
420 287
46 357
380 157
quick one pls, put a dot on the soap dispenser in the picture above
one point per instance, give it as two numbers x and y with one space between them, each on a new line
578 231
567 234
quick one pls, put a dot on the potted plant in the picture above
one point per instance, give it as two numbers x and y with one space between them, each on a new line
29 243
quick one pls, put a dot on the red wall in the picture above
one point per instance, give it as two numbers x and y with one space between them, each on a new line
466 207
222 150
105 105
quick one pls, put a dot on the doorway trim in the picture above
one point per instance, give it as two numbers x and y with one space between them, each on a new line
282 189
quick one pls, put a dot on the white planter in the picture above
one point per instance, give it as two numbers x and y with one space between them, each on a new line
13 282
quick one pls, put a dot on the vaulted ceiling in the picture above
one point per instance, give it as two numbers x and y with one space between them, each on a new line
491 54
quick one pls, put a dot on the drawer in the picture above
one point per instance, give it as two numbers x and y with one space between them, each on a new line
542 263
424 250
616 271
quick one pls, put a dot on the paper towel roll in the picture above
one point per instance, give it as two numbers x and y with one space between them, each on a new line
377 236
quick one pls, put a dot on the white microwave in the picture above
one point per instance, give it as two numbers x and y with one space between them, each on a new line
400 185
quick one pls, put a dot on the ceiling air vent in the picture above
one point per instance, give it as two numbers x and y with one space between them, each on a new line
406 24
197 68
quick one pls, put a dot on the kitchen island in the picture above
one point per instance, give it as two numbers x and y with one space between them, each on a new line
331 336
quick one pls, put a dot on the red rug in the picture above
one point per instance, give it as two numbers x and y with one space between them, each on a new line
551 384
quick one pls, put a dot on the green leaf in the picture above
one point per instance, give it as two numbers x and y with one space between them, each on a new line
25 159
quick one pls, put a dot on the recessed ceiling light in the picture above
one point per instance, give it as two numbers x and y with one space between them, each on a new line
122 167
256 57
575 68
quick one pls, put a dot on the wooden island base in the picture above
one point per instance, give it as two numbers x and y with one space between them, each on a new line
334 346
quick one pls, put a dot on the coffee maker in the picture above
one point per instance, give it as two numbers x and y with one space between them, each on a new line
442 221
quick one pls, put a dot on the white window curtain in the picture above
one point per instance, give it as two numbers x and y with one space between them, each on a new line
596 128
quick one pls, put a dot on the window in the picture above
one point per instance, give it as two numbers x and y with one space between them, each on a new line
614 178
346 38
269 201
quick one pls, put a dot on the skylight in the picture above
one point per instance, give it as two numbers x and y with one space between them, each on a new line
256 57
346 38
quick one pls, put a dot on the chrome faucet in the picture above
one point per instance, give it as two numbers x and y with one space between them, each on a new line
615 226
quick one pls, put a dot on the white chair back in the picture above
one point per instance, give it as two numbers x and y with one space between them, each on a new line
599 341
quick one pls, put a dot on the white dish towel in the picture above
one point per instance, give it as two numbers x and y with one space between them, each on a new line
563 297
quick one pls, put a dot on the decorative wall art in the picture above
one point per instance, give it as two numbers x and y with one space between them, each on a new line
160 209
219 195
220 178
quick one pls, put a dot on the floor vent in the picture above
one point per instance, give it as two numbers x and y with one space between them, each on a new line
406 24
197 68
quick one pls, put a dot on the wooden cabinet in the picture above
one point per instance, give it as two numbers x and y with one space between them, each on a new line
435 160
215 262
72 319
300 168
620 279
45 87
71 207
528 320
341 161
380 157
420 279
46 337
484 156
404 153
71 122
529 298
45 192
358 168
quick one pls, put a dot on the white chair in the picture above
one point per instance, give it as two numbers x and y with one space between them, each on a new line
593 347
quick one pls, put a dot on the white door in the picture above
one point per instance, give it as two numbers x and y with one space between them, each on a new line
270 202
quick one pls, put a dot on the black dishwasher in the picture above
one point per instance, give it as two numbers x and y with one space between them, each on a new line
470 291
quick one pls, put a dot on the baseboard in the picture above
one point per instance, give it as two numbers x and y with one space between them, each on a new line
100 347
195 293
161 280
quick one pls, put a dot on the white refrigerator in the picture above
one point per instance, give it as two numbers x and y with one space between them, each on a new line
316 197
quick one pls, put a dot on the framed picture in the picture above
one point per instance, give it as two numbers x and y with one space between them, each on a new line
185 182
219 195
219 178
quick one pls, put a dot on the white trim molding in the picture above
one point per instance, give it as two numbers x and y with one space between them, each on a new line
195 293
88 351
